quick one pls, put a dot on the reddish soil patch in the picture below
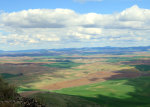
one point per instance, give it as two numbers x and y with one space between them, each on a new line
27 63
92 78
138 62
26 68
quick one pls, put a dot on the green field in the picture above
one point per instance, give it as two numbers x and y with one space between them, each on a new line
115 93
24 89
142 67
63 64
7 75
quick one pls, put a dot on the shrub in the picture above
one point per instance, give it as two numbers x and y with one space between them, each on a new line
7 91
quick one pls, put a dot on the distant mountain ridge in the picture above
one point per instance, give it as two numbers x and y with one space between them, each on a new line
85 50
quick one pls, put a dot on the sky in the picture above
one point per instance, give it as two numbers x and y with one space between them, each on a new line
48 24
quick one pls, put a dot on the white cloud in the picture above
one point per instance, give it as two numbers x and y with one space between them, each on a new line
38 18
39 26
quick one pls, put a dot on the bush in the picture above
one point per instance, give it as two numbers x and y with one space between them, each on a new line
7 91
10 98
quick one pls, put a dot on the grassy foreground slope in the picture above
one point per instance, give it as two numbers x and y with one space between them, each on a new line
9 98
115 93
60 100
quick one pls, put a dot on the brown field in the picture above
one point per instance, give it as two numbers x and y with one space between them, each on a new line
93 78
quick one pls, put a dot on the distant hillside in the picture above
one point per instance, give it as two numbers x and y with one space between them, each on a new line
71 51
1 51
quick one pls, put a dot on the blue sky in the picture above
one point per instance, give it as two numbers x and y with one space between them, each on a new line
104 6
45 24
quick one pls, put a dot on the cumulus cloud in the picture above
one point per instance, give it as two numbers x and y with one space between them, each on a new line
39 18
61 26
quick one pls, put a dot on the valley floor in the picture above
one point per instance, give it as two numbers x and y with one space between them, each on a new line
109 80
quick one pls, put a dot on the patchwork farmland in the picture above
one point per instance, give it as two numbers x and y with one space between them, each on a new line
111 80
